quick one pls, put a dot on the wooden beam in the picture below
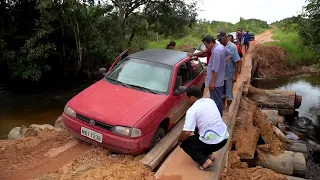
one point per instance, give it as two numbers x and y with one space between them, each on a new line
153 158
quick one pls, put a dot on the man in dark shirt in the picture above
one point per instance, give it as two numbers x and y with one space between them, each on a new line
246 41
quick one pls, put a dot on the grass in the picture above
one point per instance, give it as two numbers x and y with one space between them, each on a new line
292 44
162 43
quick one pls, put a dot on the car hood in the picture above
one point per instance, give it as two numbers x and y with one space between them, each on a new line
114 104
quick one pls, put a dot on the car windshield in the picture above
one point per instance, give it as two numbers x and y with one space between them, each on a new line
142 75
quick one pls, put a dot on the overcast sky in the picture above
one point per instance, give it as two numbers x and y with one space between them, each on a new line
267 10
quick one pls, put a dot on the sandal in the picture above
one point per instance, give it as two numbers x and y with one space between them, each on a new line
205 169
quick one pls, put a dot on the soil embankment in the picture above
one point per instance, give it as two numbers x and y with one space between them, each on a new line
54 154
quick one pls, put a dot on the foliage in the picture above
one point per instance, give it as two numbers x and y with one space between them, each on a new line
53 38
310 25
203 27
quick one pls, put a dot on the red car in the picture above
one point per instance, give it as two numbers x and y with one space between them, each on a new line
137 102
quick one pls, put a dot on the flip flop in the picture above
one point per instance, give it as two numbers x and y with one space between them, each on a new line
205 169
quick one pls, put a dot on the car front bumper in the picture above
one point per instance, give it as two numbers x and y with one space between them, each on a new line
111 141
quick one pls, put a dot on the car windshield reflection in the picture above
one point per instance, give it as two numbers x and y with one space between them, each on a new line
141 75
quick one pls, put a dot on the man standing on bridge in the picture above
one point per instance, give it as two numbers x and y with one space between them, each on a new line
232 69
246 41
216 69
210 132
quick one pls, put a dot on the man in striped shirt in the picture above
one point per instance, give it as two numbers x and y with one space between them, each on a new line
210 132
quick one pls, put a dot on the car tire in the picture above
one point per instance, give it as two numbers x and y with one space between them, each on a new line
160 133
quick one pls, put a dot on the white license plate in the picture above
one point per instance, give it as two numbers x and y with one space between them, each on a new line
91 134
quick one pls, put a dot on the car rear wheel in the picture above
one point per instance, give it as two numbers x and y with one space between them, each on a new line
160 133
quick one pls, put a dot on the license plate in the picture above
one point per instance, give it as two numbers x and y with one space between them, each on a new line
91 134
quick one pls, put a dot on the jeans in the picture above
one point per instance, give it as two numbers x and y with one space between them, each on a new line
227 89
216 95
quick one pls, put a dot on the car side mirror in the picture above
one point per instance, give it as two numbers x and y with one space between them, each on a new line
179 90
103 71
178 85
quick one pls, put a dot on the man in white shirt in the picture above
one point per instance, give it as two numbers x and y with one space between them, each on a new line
204 119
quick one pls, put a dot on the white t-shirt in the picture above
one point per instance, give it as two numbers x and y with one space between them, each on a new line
205 115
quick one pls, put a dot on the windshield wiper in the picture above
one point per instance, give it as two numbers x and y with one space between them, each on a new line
143 88
119 82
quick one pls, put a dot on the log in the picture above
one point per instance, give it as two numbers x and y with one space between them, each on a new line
297 102
294 178
272 115
153 158
265 126
281 136
246 135
289 163
298 147
299 165
273 98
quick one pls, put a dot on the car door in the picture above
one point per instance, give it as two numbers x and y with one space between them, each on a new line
119 58
191 75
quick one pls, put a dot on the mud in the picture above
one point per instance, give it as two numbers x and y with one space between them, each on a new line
98 163
22 155
271 61
239 170
245 135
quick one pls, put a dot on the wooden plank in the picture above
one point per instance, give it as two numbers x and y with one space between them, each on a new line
281 164
299 164
156 154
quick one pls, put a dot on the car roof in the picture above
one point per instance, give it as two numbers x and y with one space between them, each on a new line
164 56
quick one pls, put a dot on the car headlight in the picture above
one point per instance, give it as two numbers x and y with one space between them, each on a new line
68 111
126 131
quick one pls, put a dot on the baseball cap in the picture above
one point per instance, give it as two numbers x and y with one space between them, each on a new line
221 34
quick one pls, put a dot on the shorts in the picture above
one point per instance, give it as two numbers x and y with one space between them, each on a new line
227 89
246 43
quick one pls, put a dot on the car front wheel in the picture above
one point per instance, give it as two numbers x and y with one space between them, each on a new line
160 133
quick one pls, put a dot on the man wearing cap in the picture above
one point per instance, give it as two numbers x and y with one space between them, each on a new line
210 132
216 69
232 69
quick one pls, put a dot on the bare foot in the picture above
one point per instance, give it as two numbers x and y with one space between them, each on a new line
211 157
207 163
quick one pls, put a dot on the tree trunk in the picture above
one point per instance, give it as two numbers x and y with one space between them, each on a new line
272 116
274 99
246 135
289 163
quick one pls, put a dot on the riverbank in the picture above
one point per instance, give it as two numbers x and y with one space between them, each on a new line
271 62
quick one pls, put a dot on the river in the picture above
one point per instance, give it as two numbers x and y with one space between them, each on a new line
19 109
306 85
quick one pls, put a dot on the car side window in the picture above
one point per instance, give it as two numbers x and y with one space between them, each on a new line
196 68
183 71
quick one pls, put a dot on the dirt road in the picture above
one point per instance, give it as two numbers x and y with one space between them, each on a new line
54 154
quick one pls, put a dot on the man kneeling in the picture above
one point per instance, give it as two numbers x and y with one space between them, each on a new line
210 132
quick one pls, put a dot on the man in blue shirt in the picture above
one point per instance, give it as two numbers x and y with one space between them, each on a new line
232 69
246 40
216 69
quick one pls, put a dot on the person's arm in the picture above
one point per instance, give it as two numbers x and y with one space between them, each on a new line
228 53
217 58
199 54
236 60
189 126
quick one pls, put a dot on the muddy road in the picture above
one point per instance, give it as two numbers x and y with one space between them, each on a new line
52 154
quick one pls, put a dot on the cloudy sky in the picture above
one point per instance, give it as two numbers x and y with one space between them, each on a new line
267 10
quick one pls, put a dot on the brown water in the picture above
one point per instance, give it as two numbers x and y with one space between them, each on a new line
41 108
